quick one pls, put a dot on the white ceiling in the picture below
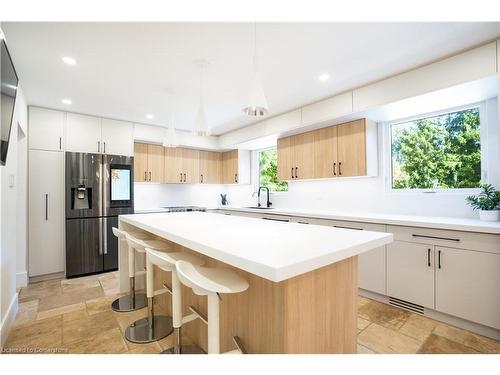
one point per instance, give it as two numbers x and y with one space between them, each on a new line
124 70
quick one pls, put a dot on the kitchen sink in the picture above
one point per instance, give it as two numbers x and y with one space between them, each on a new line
260 208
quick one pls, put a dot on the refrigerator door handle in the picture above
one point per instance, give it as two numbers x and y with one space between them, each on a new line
46 207
100 236
104 229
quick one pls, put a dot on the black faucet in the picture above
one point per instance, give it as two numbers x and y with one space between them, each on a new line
268 203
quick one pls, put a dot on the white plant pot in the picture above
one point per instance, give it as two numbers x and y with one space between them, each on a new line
489 215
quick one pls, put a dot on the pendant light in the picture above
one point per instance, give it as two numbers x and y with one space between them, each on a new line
200 126
257 103
170 138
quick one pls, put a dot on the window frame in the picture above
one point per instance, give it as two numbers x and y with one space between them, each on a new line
387 150
256 170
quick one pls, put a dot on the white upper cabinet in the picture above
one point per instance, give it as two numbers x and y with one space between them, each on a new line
83 133
46 129
117 137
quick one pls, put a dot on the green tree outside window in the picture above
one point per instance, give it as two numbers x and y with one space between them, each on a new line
268 171
437 152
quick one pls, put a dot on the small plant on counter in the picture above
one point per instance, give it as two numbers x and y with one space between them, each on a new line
487 202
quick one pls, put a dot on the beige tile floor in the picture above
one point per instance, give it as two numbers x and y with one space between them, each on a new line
75 316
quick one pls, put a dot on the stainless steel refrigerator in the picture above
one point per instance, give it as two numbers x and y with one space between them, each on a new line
98 189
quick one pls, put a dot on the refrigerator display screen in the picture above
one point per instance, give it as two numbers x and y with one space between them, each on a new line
120 184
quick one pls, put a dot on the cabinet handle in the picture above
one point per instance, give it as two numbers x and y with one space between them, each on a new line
184 177
439 259
149 175
236 177
104 147
98 146
292 172
60 143
341 227
46 207
340 170
428 257
201 178
273 219
181 177
296 170
436 238
145 176
334 169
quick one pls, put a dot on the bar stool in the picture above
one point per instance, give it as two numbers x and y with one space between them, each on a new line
132 301
153 327
166 262
210 282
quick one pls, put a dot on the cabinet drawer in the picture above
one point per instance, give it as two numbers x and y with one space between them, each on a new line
352 225
463 240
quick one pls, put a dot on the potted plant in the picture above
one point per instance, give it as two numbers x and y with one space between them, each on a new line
487 202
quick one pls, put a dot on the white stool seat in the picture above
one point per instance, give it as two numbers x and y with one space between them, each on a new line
205 280
140 245
121 234
166 261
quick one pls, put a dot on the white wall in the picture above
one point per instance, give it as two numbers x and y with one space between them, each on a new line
152 196
9 218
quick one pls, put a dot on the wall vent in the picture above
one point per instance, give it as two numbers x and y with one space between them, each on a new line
406 305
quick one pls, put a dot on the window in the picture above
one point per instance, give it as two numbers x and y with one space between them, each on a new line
268 171
441 151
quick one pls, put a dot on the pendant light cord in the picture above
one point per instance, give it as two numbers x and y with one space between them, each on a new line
255 46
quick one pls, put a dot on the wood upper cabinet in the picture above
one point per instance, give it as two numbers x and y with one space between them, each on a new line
304 155
140 162
230 167
352 149
325 152
148 163
191 165
173 165
210 167
335 151
156 162
181 165
286 168
296 157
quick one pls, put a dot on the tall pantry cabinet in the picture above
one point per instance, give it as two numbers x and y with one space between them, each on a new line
46 192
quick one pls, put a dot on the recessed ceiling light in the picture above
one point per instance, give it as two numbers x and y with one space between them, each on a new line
66 101
149 117
324 77
69 60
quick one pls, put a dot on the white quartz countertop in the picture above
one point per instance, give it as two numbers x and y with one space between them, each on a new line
461 224
269 249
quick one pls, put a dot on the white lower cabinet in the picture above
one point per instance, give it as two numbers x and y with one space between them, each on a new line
46 212
371 264
371 270
468 285
410 272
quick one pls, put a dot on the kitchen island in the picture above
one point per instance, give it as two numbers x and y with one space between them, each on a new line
303 278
